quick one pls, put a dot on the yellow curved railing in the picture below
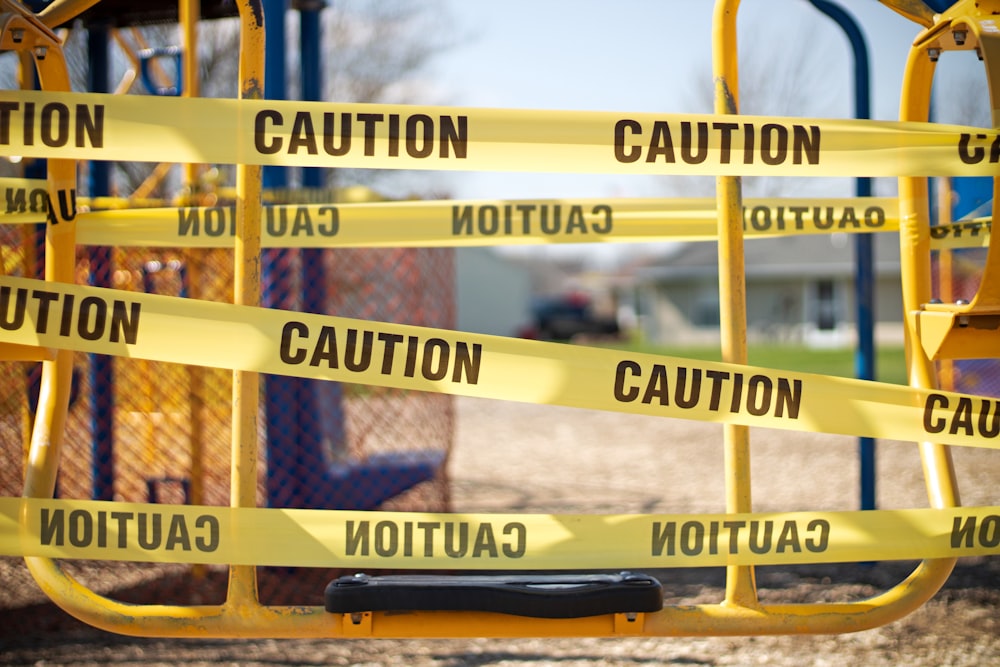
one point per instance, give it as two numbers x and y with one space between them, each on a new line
741 612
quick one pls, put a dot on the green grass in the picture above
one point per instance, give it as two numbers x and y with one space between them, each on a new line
890 365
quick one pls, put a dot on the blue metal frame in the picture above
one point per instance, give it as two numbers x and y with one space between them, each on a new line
101 366
864 246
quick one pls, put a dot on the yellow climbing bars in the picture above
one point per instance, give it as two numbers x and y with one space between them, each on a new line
740 612
955 330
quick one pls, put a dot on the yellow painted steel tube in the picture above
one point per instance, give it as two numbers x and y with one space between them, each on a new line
915 273
63 11
242 609
242 591
189 14
26 80
243 616
915 10
977 24
741 588
60 254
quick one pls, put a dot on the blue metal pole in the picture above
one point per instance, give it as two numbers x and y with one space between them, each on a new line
310 59
281 393
274 74
864 278
321 413
101 366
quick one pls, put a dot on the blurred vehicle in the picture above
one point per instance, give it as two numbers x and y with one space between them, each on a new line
567 316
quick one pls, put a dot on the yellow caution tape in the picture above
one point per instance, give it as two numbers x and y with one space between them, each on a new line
479 222
94 126
963 234
24 200
202 333
506 222
99 530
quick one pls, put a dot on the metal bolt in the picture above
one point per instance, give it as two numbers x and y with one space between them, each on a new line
934 54
935 301
961 302
17 35
979 54
41 52
959 36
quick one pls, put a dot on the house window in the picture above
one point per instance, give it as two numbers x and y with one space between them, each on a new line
826 305
706 311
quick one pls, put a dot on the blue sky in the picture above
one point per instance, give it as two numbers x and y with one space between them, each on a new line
643 55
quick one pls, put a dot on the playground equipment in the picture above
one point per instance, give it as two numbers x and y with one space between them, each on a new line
509 605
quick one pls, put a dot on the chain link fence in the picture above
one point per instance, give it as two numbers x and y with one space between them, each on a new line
144 431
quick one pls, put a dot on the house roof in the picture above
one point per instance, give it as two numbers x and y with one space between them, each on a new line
813 255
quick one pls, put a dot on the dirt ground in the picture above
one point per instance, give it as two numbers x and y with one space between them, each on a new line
512 457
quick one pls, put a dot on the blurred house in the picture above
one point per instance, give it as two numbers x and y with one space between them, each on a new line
799 289
531 295
493 294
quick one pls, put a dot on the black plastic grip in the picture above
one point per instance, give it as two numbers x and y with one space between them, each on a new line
535 595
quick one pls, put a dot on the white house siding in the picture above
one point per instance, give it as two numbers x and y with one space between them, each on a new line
493 296
781 290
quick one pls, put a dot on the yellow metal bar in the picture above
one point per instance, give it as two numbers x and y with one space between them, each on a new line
952 330
246 385
946 288
151 182
740 613
988 46
22 32
740 584
915 274
15 352
63 11
189 13
241 610
26 80
915 10
967 25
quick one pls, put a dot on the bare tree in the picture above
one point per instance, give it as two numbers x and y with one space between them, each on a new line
373 51
378 51
961 93
218 64
772 82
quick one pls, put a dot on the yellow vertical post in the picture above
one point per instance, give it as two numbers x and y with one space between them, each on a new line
189 13
26 79
60 253
740 584
915 274
246 291
946 288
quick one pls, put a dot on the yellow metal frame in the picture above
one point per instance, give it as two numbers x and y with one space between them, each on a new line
953 330
740 613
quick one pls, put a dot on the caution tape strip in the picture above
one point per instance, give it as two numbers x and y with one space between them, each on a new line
93 126
219 335
481 222
464 223
460 223
960 235
113 531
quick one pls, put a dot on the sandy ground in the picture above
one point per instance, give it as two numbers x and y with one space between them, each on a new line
512 457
